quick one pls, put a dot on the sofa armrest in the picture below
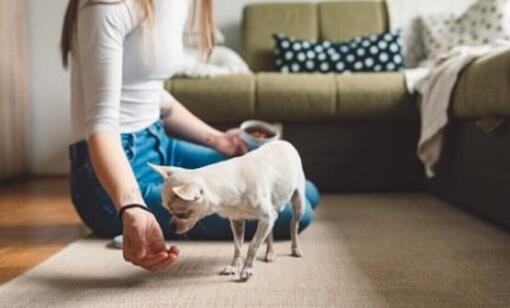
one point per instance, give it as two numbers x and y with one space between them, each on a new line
483 89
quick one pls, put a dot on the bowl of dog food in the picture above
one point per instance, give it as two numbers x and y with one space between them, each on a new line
256 133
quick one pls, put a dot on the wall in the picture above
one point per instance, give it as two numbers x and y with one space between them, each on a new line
402 12
50 83
14 102
228 18
49 88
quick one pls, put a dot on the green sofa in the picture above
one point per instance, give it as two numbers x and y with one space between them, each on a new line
356 132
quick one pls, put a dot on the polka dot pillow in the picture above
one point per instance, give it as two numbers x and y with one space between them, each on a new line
374 53
484 22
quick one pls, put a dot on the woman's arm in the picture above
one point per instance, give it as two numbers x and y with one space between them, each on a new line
113 169
181 123
100 37
143 239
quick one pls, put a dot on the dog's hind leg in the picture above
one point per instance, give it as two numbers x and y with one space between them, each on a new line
269 257
298 207
238 233
264 227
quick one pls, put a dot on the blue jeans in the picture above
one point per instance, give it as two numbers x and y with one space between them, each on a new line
152 145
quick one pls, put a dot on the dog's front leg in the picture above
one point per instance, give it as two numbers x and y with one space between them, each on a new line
265 225
238 233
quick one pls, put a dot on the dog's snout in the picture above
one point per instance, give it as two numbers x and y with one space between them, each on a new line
183 215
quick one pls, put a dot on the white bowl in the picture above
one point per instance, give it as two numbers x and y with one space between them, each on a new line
253 142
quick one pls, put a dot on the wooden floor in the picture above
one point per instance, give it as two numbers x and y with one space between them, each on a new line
37 220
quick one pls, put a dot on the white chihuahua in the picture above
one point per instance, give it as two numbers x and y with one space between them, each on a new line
254 186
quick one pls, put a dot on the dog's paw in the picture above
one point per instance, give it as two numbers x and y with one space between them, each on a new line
296 252
269 257
246 274
230 270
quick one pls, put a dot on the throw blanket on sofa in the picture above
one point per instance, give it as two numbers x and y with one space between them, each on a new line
222 61
436 85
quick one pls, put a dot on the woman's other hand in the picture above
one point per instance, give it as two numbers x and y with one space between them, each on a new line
144 244
230 143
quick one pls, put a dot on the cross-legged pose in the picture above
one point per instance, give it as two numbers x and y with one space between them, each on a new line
120 52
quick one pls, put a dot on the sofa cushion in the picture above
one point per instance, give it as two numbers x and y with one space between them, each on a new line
343 20
370 96
220 99
374 53
261 21
295 98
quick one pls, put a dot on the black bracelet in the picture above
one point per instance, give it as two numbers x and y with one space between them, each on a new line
130 206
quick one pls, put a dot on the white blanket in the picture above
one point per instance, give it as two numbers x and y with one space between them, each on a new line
222 61
436 84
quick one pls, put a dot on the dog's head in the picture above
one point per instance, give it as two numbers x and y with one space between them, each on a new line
184 196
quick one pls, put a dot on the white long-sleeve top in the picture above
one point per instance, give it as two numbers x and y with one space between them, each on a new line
118 70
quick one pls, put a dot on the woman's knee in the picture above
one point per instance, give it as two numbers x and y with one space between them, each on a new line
95 208
102 220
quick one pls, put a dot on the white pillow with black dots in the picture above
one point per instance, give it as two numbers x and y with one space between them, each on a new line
484 22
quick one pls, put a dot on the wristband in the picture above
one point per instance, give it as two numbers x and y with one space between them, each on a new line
130 206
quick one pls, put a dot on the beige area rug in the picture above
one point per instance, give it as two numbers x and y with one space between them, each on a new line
406 250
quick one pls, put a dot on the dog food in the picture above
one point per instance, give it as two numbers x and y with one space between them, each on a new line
260 132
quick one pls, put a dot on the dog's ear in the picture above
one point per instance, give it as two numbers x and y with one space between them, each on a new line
189 192
163 170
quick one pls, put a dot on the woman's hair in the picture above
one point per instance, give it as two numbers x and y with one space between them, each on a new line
201 17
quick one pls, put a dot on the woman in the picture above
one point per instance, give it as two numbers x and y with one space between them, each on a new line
122 118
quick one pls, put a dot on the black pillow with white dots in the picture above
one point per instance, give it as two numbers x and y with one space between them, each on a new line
374 53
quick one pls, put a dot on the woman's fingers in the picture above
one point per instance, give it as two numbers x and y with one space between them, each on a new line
144 244
234 135
154 260
242 146
166 262
159 262
173 253
174 250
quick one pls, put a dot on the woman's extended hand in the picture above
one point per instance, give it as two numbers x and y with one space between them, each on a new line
230 143
144 244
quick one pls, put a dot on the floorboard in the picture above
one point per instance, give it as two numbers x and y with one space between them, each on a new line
37 221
